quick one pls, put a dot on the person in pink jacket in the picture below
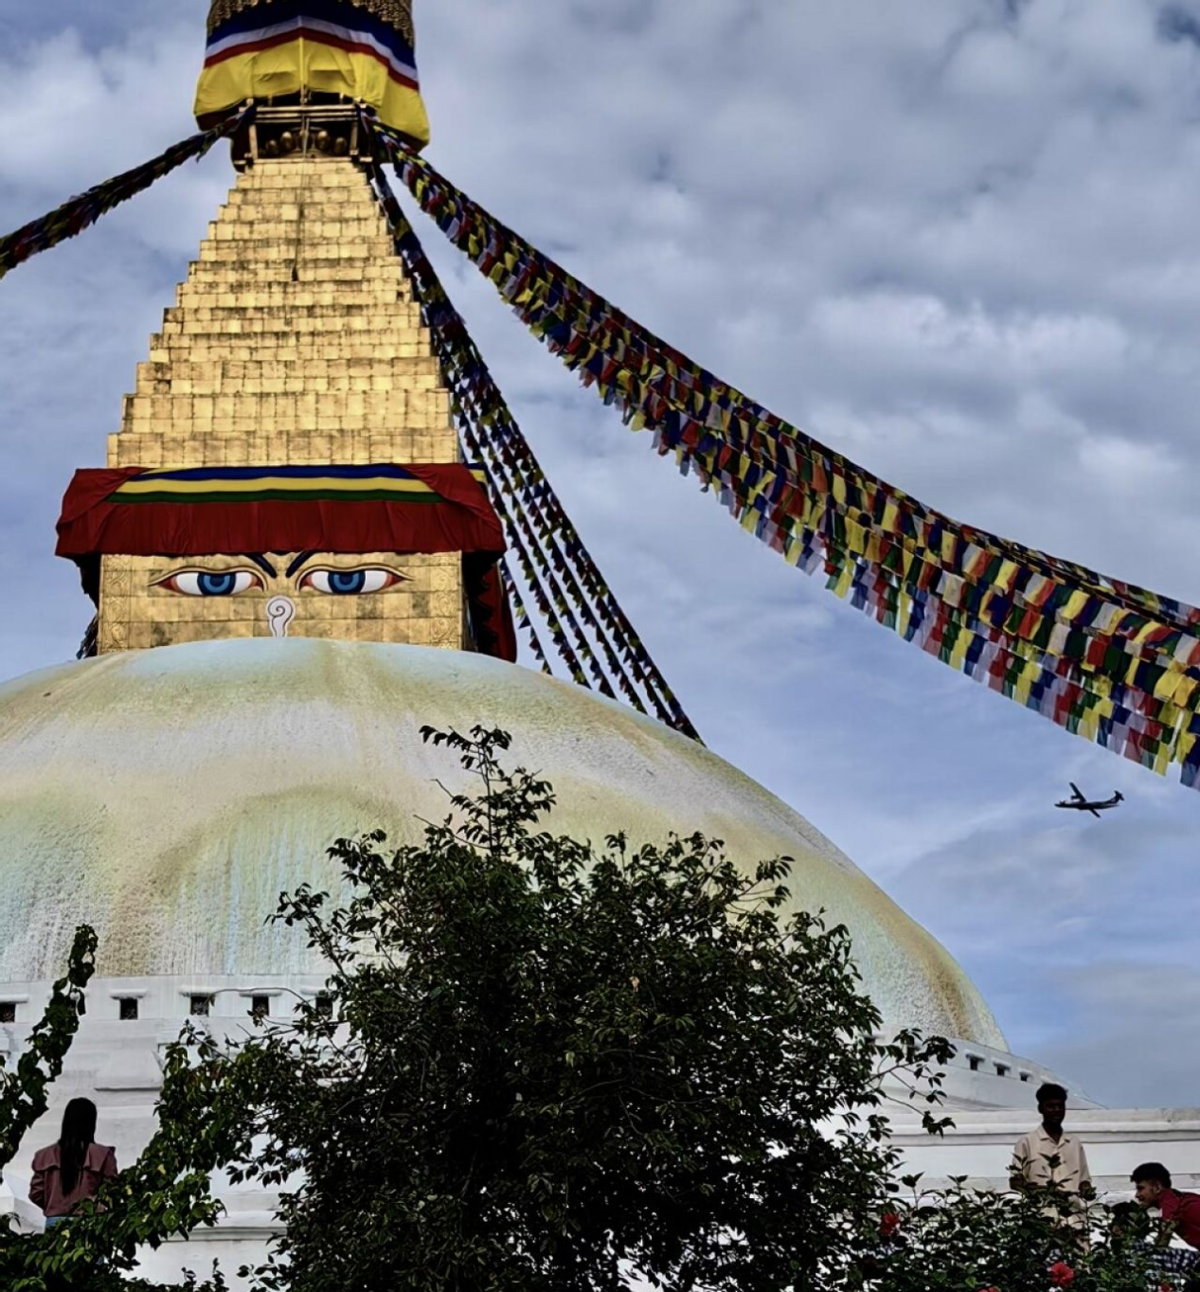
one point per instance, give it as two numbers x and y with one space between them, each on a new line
71 1171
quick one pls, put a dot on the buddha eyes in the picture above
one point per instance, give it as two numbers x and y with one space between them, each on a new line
328 581
211 583
346 583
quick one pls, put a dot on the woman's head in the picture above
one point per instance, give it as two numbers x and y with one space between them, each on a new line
79 1121
78 1132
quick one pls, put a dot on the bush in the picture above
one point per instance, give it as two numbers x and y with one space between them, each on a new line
561 1067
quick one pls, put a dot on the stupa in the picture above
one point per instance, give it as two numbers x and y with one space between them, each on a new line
295 566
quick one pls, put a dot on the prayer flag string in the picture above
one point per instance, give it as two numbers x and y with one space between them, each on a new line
522 617
1105 659
546 539
437 309
79 212
535 568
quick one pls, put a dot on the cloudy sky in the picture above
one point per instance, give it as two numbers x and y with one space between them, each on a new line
956 240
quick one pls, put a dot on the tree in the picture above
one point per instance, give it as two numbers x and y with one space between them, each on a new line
559 1067
23 1092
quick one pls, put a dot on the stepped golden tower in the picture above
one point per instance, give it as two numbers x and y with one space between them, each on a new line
294 341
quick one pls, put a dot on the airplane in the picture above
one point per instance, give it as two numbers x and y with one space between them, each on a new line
1081 804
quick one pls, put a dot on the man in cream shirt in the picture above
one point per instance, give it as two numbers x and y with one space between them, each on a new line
1049 1156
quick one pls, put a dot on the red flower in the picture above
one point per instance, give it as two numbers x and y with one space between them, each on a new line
889 1224
1061 1274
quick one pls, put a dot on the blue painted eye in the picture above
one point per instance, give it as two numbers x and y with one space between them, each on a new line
349 583
217 585
211 583
344 582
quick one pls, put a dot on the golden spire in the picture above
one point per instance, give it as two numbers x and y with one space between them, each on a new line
294 341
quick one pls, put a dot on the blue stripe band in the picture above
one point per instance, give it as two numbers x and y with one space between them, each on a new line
295 473
365 471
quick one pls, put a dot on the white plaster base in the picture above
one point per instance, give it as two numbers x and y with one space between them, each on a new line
989 1092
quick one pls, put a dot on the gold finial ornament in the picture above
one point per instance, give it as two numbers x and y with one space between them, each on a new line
396 13
302 51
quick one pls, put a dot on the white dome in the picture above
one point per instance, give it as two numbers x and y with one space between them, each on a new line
167 796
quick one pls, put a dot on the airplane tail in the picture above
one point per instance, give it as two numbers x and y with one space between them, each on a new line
1118 796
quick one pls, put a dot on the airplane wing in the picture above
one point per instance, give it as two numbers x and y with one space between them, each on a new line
1077 790
1093 811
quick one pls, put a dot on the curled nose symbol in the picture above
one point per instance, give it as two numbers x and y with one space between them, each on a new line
280 613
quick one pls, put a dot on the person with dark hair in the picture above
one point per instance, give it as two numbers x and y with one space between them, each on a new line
1127 1223
72 1170
1050 1158
1180 1211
